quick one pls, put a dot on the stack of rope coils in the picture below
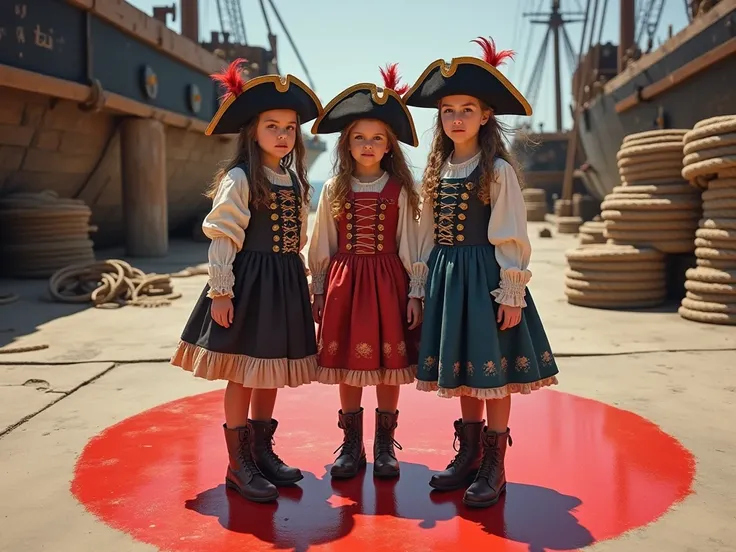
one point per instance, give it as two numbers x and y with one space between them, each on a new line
710 165
41 233
536 204
654 207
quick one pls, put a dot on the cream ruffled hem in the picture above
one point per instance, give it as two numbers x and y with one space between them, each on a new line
492 393
366 378
257 373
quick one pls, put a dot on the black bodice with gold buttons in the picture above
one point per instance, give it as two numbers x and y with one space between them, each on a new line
276 228
460 218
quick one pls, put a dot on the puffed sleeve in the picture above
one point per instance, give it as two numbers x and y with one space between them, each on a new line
507 231
225 225
407 238
324 241
425 231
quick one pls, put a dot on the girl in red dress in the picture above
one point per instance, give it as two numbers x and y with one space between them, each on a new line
366 280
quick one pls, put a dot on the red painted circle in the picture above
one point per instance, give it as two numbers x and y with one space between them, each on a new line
579 472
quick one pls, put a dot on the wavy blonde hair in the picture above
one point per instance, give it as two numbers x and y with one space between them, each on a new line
249 153
491 138
394 163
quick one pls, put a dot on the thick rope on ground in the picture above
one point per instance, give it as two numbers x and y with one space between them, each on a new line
725 319
111 283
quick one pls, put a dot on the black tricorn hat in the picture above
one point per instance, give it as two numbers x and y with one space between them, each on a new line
244 100
367 101
470 76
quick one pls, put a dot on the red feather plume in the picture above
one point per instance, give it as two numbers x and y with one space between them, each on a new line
391 78
230 79
490 54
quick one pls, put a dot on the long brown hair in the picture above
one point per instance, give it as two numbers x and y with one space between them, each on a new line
394 163
249 153
491 138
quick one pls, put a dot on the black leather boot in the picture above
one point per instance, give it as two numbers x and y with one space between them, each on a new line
385 463
352 451
464 466
243 476
273 468
490 483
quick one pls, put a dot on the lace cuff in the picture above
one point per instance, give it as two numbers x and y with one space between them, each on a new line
417 280
221 281
318 283
512 290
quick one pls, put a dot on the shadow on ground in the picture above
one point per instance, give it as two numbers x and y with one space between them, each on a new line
320 511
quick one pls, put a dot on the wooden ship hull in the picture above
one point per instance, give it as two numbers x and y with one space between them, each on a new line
542 158
82 83
688 79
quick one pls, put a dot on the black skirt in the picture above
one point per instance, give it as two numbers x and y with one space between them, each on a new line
271 342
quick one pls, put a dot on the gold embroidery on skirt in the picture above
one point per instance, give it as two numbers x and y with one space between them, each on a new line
522 364
363 350
387 349
401 348
456 368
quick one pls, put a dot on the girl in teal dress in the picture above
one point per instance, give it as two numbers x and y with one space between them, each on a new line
482 338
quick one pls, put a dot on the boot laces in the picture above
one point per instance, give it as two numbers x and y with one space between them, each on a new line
490 461
246 457
271 453
385 442
462 451
350 445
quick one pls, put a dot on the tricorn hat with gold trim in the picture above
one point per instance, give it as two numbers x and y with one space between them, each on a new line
367 101
244 100
470 76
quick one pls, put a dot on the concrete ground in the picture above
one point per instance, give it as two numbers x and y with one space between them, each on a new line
102 366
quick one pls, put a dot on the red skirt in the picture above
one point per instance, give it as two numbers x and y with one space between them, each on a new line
364 337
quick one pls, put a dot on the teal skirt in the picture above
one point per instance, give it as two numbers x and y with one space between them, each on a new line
462 350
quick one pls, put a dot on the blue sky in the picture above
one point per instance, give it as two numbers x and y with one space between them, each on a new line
343 42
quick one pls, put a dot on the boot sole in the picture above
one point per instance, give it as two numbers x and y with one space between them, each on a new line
487 503
361 466
463 484
261 500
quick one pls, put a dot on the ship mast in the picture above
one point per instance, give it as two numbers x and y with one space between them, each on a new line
555 22
627 14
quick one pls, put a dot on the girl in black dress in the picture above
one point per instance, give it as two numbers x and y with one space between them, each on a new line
252 325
